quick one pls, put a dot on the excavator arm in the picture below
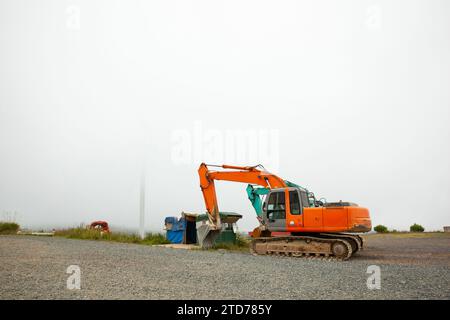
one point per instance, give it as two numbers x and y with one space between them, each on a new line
254 195
252 175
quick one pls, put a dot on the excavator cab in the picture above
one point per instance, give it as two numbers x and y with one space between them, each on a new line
282 203
274 210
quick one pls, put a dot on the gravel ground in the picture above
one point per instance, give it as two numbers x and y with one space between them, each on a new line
35 268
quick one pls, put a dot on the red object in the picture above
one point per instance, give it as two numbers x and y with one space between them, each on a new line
101 225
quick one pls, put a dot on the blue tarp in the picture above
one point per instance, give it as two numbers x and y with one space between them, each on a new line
175 236
176 230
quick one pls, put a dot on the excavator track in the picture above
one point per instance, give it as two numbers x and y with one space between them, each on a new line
356 241
303 246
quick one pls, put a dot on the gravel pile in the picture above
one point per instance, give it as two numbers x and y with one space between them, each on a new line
35 268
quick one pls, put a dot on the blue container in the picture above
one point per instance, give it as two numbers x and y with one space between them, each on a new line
175 229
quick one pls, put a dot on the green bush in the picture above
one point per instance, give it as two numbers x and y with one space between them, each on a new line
9 228
381 229
416 228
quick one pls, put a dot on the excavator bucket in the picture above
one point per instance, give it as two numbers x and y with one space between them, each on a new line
207 235
258 232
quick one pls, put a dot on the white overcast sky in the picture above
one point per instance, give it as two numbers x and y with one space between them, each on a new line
348 98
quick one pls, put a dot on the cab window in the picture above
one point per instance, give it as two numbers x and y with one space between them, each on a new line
276 206
294 202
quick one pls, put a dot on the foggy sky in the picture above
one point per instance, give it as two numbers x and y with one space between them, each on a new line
348 98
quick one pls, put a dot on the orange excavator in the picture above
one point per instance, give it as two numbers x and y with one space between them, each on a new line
309 227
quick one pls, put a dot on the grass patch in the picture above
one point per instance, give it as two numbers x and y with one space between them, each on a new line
84 233
9 228
407 234
155 238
